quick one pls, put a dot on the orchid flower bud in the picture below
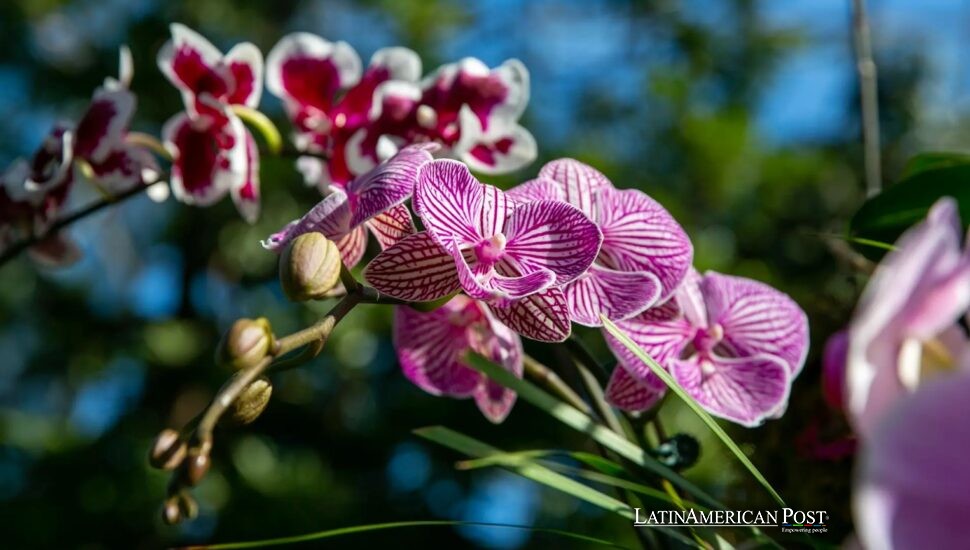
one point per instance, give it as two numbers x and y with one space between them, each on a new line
309 267
171 512
246 343
252 401
168 451
195 467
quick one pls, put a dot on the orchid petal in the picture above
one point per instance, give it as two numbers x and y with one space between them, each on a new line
450 200
506 147
745 390
399 63
640 235
757 319
539 189
504 348
580 182
628 393
415 269
308 71
102 128
616 294
352 246
552 235
202 171
484 282
125 168
662 332
389 184
245 63
543 316
391 226
194 66
331 216
430 348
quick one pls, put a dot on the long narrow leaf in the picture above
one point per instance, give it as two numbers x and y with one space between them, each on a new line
575 419
536 472
704 416
398 525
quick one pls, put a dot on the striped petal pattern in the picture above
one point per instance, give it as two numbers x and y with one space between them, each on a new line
640 235
543 316
757 319
451 203
388 184
415 269
554 236
615 294
630 394
431 346
391 226
580 182
743 390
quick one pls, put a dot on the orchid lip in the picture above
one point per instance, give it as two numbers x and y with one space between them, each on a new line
491 250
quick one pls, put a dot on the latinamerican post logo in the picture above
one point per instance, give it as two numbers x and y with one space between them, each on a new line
788 520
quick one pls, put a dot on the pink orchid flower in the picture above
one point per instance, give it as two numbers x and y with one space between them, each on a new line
431 347
911 484
330 101
213 153
645 253
513 257
732 343
904 327
374 200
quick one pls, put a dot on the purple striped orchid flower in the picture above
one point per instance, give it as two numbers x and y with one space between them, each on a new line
645 253
374 200
331 100
431 347
905 324
213 153
513 257
732 343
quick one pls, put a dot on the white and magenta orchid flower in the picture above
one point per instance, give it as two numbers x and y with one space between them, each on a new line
645 253
732 343
431 348
374 200
911 487
905 324
513 257
212 151
330 100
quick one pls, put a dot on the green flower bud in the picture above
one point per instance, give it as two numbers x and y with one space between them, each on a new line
246 343
252 401
309 267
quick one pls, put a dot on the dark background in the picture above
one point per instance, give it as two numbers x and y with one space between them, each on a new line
739 116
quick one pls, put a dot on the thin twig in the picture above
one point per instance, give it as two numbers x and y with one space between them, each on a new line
548 378
868 94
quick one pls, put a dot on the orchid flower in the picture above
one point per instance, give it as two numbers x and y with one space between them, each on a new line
330 100
431 347
213 153
911 485
904 326
513 257
732 343
374 200
645 253
32 195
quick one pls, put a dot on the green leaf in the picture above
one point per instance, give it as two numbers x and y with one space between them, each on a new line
536 472
399 525
263 125
927 178
704 416
575 419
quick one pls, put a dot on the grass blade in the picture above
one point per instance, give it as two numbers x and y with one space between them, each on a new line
575 419
537 472
357 529
704 416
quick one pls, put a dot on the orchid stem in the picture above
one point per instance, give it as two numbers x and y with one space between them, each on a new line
547 377
868 95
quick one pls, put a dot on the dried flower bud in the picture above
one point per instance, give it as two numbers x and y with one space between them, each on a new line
171 514
246 343
195 467
168 451
251 402
309 267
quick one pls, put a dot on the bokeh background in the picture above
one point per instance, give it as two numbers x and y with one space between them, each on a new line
740 116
